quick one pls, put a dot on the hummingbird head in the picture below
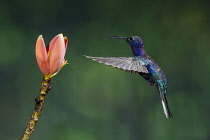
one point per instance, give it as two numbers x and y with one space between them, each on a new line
135 42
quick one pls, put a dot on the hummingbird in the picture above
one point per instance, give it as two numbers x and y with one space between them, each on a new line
141 64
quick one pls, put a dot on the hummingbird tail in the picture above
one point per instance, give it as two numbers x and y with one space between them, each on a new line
165 104
166 107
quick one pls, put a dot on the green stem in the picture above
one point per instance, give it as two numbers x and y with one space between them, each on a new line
37 109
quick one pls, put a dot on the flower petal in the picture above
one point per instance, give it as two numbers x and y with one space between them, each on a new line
41 56
66 41
57 50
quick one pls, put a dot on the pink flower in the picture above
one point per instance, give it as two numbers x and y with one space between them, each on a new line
50 59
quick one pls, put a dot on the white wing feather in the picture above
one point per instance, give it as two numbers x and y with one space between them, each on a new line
125 63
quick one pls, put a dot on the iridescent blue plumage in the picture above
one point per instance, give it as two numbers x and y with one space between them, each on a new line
142 64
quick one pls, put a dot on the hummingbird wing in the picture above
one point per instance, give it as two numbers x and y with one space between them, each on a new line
130 64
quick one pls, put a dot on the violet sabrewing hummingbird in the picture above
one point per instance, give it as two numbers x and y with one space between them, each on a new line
141 64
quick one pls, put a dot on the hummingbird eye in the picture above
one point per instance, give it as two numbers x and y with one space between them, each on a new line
130 39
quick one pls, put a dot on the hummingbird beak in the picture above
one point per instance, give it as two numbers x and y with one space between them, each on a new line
111 37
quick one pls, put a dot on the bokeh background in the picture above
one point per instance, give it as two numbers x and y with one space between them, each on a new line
92 101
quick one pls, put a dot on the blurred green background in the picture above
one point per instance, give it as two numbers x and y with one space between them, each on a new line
92 101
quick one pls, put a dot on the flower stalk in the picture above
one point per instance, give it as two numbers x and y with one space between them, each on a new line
39 103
